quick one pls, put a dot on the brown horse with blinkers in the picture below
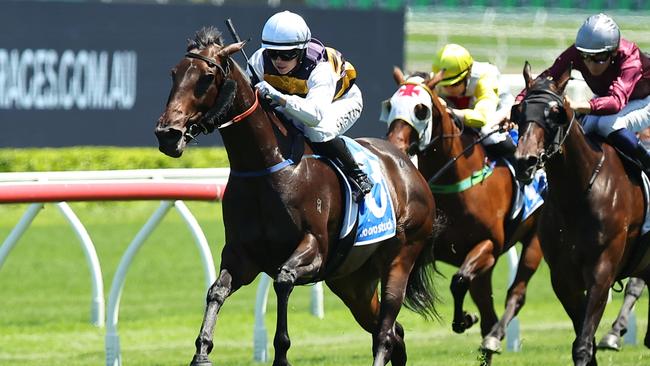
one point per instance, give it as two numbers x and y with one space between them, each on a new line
477 232
283 207
594 210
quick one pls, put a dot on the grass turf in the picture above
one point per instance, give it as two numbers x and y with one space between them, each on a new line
45 302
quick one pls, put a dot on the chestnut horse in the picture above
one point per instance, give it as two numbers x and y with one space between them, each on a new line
283 216
477 232
594 210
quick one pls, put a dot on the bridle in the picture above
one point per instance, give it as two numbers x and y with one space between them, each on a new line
541 101
224 101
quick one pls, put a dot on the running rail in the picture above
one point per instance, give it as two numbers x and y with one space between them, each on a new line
171 186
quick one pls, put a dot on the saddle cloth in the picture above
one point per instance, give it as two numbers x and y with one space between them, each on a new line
528 198
375 214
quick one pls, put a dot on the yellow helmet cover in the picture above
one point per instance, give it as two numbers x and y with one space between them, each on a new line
455 60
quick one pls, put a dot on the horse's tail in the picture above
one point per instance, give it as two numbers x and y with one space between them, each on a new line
420 293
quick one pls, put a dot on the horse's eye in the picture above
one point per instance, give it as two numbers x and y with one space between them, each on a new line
422 112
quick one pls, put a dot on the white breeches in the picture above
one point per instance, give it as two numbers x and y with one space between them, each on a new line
506 101
635 116
339 117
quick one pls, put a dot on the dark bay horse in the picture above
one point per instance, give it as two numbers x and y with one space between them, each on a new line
476 233
593 213
283 217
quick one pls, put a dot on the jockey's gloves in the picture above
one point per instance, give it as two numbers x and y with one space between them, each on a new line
267 91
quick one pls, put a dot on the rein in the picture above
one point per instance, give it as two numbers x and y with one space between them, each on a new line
192 131
475 178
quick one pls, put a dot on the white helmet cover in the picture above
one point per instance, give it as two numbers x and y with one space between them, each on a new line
402 106
285 31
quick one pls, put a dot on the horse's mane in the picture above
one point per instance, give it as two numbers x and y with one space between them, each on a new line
205 37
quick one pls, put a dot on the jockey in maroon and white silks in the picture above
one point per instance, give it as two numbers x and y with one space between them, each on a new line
618 73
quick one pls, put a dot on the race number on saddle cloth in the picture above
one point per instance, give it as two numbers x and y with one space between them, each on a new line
375 214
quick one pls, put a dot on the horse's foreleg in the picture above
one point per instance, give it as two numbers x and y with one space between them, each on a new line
530 258
599 281
305 262
233 275
612 340
478 260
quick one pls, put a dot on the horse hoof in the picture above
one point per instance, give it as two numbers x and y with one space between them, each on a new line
491 344
200 360
458 327
610 342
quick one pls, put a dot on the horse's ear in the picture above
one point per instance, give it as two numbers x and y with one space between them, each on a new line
528 79
232 48
398 75
431 83
564 80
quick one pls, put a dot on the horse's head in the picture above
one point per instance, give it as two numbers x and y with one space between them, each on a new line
544 119
202 92
410 111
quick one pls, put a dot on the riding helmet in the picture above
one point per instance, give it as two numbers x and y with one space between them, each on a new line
599 33
285 31
455 60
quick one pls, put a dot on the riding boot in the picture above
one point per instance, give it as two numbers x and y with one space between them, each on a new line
626 141
336 149
644 157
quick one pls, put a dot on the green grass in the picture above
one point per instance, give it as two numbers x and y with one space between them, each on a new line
45 303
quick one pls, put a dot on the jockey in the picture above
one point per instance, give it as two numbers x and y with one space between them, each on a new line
476 94
618 73
313 86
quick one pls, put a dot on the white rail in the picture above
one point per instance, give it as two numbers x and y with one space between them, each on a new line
57 187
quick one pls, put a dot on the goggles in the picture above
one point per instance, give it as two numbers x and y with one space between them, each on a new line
284 55
597 58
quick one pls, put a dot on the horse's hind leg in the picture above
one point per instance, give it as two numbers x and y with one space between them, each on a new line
612 340
388 342
478 260
530 258
359 293
234 273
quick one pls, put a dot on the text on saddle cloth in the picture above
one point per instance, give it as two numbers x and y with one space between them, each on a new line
376 214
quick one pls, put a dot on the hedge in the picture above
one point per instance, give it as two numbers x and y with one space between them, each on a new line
107 158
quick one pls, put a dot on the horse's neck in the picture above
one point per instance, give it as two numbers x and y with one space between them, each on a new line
451 143
572 169
253 143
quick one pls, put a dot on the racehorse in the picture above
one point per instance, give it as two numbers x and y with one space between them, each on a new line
283 207
594 210
477 213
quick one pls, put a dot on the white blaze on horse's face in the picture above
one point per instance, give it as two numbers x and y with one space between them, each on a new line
402 106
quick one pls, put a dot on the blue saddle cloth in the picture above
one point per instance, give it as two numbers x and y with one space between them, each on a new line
527 199
375 214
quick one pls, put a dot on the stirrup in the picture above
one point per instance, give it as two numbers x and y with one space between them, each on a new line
361 186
